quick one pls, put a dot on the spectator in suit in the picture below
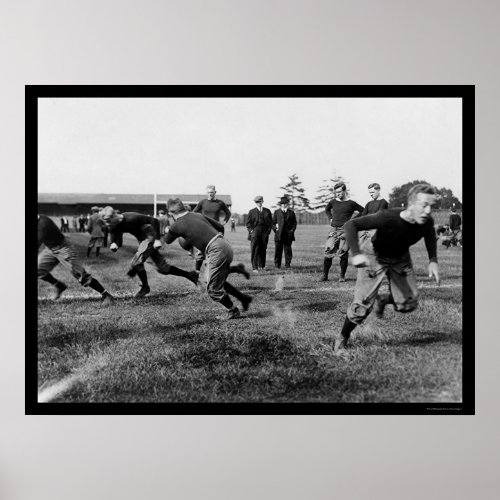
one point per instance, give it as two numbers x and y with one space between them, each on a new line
259 225
284 225
64 225
233 225
96 229
82 220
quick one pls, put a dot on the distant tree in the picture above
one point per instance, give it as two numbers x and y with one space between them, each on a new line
446 199
296 194
326 191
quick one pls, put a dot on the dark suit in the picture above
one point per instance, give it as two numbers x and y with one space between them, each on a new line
259 225
284 225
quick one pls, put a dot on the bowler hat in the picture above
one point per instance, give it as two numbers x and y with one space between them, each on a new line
258 198
284 200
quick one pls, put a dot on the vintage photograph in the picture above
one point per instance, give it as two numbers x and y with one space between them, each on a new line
251 249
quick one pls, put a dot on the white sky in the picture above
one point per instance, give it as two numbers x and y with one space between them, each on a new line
246 146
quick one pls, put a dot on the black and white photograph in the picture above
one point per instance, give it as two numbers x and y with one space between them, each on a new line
222 249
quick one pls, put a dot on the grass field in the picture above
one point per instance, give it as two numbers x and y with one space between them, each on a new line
169 346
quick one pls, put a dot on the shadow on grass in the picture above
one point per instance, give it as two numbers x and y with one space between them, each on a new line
217 350
426 338
84 338
326 306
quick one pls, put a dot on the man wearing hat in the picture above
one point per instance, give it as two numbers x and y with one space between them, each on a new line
284 225
96 229
206 235
259 225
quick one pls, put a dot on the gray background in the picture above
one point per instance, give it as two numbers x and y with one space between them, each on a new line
247 42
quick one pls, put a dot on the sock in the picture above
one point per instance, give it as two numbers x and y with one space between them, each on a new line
227 302
386 298
143 277
88 251
348 327
343 266
199 263
179 272
50 279
234 292
95 285
327 263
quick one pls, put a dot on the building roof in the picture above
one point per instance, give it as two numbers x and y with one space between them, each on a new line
102 199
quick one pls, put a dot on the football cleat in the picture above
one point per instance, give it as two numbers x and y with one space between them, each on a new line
144 290
60 287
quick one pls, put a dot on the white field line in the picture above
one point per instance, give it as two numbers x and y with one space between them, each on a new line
50 392
54 390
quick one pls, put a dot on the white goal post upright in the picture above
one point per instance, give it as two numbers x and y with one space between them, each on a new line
157 201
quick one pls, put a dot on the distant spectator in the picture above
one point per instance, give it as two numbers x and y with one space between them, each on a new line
444 235
95 228
233 225
455 227
82 220
64 225
74 223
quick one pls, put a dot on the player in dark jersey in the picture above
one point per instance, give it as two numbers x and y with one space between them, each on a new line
397 229
206 235
339 211
57 250
372 207
147 231
210 207
377 203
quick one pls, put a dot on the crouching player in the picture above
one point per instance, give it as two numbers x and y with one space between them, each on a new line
147 231
205 234
57 250
397 229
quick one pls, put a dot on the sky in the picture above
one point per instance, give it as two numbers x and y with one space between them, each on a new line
246 146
